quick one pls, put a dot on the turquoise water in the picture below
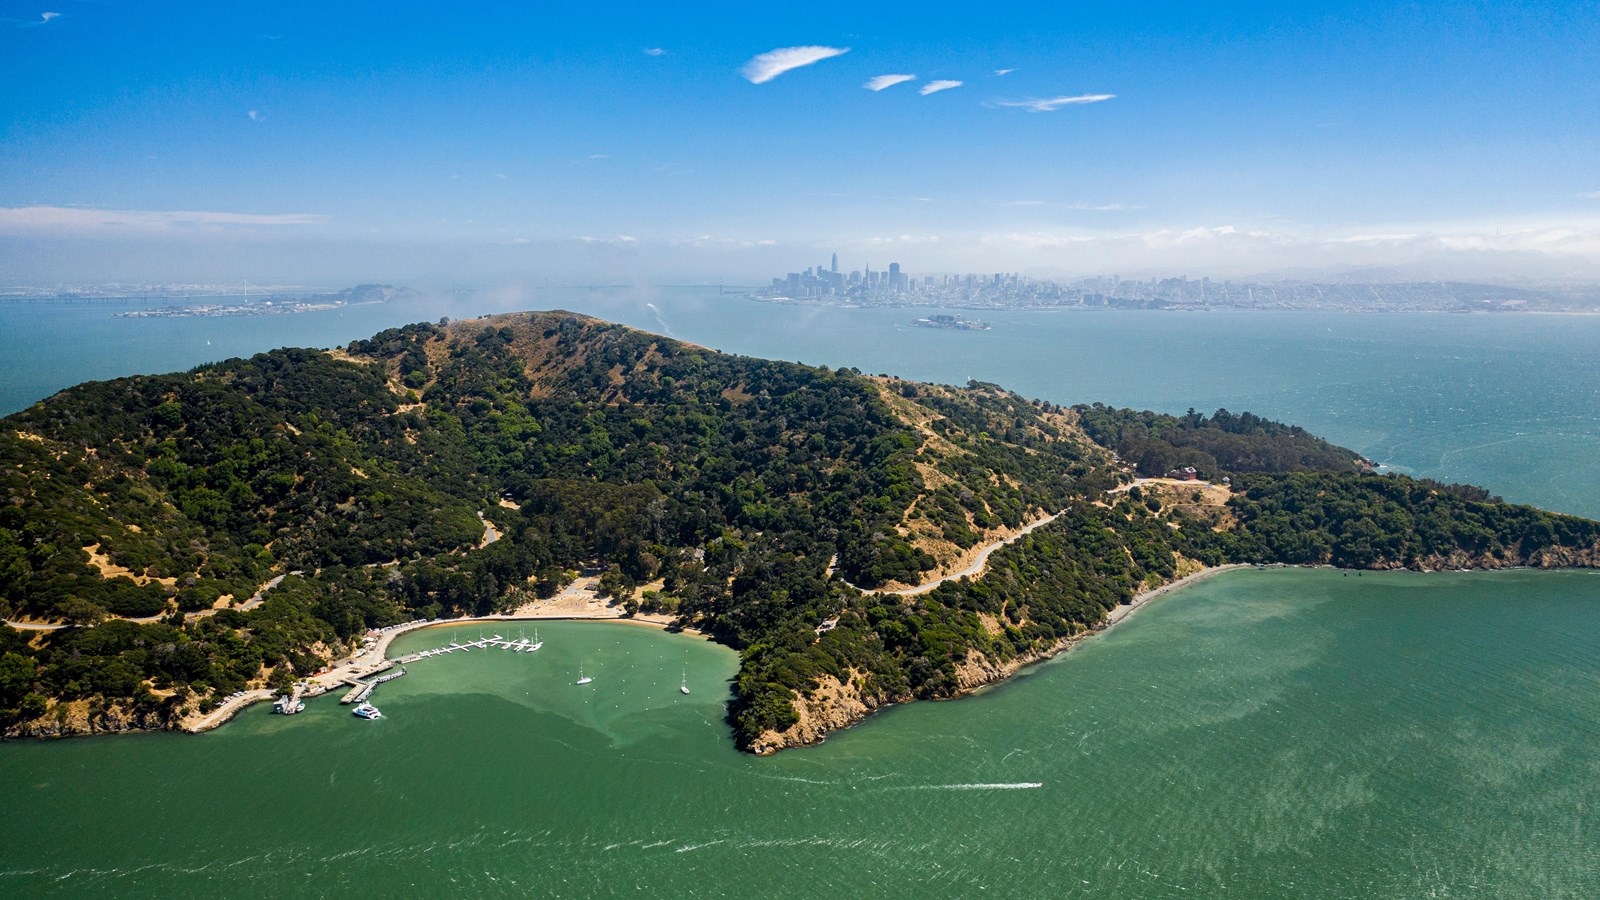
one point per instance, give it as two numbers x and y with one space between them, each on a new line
1261 734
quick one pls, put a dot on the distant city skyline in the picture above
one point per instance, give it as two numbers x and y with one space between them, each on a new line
895 286
334 145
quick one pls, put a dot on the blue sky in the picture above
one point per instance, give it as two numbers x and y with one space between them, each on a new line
393 141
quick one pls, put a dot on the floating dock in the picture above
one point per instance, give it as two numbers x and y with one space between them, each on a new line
361 690
520 645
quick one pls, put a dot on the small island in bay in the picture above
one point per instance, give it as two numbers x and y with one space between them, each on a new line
952 322
173 544
271 305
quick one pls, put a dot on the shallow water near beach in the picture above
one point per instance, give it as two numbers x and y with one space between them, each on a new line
1261 733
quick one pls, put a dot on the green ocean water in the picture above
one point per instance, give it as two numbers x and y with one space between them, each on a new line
1261 734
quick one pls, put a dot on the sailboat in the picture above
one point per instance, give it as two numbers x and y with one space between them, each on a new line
536 642
683 683
582 678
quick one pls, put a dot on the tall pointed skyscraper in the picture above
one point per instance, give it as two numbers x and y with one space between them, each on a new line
835 267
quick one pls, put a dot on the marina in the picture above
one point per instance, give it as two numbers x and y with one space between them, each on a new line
520 645
360 691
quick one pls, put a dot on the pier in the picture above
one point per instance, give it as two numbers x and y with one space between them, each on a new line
291 704
361 690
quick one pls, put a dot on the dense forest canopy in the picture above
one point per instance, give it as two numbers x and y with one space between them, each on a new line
754 499
1221 444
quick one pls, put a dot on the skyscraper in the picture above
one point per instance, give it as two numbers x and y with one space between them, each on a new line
835 267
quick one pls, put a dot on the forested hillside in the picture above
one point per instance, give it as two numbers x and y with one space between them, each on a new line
758 499
1220 444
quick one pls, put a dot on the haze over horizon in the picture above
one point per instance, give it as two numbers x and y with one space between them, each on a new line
308 143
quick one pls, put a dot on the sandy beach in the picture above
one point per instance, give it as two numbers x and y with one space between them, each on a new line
579 602
1123 612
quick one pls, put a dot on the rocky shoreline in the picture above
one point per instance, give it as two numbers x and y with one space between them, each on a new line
80 718
834 706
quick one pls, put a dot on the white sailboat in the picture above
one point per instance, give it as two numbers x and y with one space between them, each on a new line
582 678
683 683
536 642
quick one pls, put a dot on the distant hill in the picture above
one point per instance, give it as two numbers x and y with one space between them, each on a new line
800 515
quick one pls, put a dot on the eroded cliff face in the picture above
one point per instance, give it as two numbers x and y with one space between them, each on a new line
1567 558
79 717
1546 558
833 705
836 705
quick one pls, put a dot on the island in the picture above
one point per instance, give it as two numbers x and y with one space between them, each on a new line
953 322
168 542
273 305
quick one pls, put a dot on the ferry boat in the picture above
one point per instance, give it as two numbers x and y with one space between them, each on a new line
367 711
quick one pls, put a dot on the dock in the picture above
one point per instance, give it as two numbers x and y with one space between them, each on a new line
520 645
361 690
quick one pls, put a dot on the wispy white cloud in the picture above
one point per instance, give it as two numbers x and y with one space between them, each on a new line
619 239
59 219
254 114
934 87
1572 247
654 51
1026 203
599 156
44 19
1589 195
999 72
767 66
879 82
1051 104
1374 239
706 240
1103 207
899 240
1161 238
